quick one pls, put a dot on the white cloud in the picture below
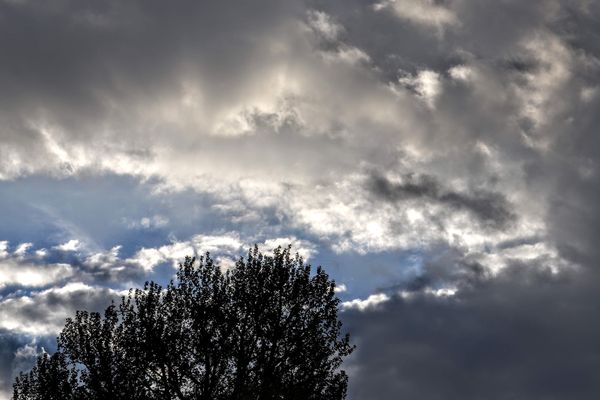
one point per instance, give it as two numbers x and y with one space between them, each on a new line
225 248
104 260
439 292
151 222
341 288
304 248
528 253
23 273
22 249
71 245
41 253
323 24
365 304
423 12
217 245
426 83
347 54
147 258
461 72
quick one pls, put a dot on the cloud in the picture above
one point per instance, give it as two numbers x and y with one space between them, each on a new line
107 266
19 270
524 334
286 119
423 12
27 274
3 249
323 24
44 313
304 248
365 304
153 222
341 288
488 207
22 249
217 245
71 245
225 248
63 263
315 105
426 84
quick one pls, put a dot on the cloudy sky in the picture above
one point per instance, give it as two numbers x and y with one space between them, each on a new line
439 157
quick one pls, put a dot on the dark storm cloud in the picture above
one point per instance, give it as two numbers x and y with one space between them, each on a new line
522 335
488 207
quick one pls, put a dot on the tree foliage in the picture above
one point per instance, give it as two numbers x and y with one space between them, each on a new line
266 329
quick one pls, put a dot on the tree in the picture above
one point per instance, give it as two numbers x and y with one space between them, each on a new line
266 329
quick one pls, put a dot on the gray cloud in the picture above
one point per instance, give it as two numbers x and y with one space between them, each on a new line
9 342
524 334
488 207
44 313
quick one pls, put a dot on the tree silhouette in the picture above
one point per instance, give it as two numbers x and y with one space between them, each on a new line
266 329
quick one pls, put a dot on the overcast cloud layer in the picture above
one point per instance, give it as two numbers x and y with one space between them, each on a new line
439 158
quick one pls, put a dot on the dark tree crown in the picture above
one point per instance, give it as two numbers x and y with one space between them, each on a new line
266 329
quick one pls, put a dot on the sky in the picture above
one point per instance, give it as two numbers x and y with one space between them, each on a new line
440 159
